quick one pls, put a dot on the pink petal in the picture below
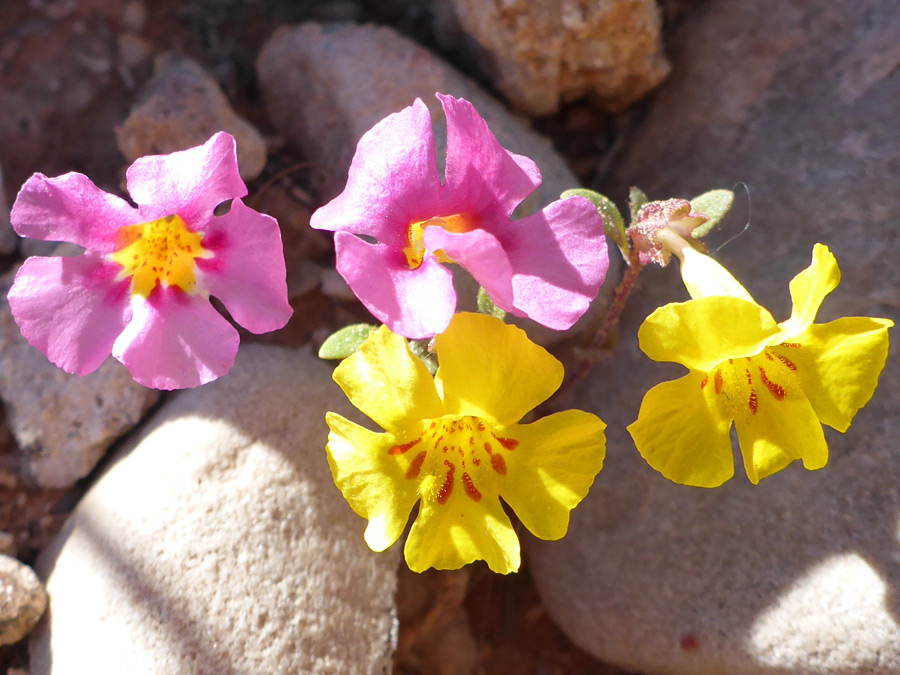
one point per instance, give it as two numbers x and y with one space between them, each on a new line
189 183
176 340
247 273
559 259
481 174
72 309
415 303
481 254
70 208
393 181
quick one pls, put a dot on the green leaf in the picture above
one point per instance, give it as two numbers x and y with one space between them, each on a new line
714 205
487 306
636 201
613 224
346 341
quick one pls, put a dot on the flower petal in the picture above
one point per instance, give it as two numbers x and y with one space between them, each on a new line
559 259
704 332
247 273
189 183
482 255
492 370
778 433
704 277
72 309
387 383
176 340
808 289
393 181
683 432
70 208
370 479
414 303
838 364
552 469
480 173
448 536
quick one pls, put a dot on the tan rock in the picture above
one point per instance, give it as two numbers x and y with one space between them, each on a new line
23 600
182 106
542 52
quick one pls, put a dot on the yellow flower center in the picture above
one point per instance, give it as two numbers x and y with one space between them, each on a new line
452 450
415 249
744 380
161 251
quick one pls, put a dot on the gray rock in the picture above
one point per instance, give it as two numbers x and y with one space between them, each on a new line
8 237
182 106
799 574
63 423
540 53
23 600
325 85
218 543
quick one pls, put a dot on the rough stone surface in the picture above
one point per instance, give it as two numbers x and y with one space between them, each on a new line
8 238
63 423
218 543
799 574
182 106
325 85
22 600
542 52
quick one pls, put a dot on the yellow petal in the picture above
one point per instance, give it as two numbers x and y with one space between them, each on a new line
808 289
704 332
682 431
704 277
386 382
492 370
371 479
460 531
838 365
552 469
780 432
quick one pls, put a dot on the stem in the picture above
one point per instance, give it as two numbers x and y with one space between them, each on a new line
623 290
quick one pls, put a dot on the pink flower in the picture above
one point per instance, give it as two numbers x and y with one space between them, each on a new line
547 266
141 290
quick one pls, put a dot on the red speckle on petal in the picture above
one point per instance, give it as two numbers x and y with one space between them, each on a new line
705 382
471 491
402 449
787 362
508 443
753 403
488 448
498 464
416 465
776 389
792 345
447 487
719 382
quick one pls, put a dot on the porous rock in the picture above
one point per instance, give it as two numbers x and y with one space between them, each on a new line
183 106
540 53
799 574
63 423
22 600
218 543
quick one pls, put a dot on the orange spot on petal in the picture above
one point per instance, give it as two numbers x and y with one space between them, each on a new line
416 465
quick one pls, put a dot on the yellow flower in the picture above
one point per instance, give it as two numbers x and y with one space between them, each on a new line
778 382
453 444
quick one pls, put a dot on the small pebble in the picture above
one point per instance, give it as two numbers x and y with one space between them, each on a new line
22 600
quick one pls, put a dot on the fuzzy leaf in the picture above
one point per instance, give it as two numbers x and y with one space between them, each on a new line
636 200
714 205
346 341
487 306
613 224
